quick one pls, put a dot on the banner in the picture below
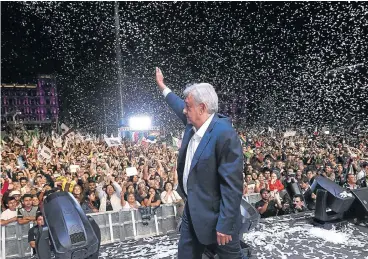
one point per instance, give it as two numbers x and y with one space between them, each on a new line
113 142
58 142
46 153
130 171
289 134
73 168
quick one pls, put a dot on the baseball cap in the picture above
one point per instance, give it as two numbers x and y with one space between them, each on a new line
14 193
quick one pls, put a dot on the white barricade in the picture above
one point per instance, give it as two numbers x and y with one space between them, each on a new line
115 226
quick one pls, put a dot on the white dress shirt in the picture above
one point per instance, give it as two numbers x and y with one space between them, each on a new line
193 144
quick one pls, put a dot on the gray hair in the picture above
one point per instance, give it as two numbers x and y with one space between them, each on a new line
204 93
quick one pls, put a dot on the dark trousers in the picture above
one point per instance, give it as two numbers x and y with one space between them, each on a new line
191 248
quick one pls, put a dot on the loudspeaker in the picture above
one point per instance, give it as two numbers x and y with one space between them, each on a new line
359 209
250 217
320 213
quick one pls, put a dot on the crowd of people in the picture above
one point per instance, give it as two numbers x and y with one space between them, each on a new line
274 163
96 174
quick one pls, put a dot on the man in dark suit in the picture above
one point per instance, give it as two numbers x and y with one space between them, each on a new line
309 196
210 166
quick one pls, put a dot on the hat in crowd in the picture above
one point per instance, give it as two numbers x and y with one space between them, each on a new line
14 193
264 190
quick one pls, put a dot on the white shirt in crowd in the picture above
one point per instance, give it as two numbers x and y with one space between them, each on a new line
174 197
360 175
193 144
115 198
8 214
127 206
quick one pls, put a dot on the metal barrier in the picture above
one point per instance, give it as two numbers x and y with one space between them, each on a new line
252 198
115 226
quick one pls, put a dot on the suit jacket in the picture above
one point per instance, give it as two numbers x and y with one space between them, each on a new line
215 181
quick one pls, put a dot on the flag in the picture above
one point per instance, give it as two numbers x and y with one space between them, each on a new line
18 141
315 131
57 142
34 141
272 132
65 144
144 142
64 128
243 139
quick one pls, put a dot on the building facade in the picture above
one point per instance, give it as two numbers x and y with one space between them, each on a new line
30 104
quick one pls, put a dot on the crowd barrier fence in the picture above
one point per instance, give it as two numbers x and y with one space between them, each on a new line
115 226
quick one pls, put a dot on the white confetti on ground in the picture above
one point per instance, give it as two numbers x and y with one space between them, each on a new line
280 238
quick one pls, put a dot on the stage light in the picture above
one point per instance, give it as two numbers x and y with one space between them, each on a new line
140 123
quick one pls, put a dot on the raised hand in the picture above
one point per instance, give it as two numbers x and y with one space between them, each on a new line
160 79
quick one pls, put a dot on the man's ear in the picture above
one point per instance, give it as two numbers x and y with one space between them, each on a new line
203 107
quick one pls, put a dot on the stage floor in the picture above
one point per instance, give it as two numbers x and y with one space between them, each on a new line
280 237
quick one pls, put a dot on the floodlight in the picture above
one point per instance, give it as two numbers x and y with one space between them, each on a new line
140 123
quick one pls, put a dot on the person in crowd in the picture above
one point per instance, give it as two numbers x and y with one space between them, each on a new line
35 202
131 203
91 185
261 183
268 206
250 185
309 196
17 196
89 204
351 182
33 232
170 195
310 176
10 214
78 193
110 198
298 204
129 190
339 175
362 176
28 212
267 174
275 184
141 195
153 199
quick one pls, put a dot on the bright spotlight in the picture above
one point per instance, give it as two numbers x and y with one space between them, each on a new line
140 123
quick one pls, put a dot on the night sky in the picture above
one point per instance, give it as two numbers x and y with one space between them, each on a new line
298 64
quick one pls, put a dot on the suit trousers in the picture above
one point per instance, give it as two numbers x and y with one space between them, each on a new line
191 248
